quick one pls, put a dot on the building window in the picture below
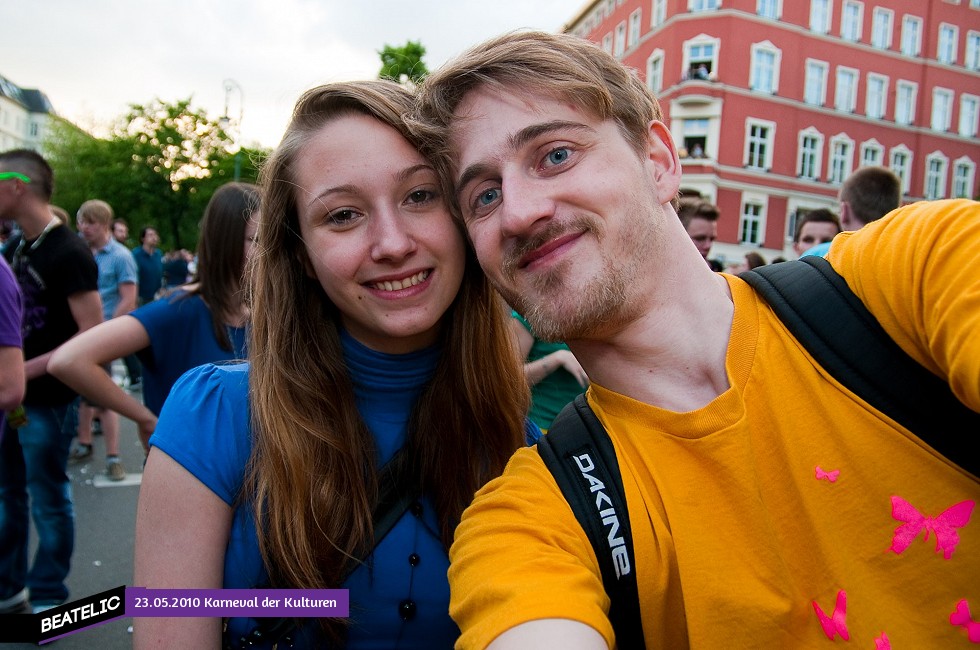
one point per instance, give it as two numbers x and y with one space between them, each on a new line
700 57
969 113
964 171
655 71
911 35
620 46
750 226
764 76
769 9
633 37
905 97
703 5
758 144
901 164
845 92
815 87
607 43
935 188
695 138
876 96
942 108
820 16
872 153
946 49
811 147
972 59
841 159
658 13
851 19
881 28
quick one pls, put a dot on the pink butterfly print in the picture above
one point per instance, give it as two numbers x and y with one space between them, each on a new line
961 617
834 624
944 525
882 642
829 476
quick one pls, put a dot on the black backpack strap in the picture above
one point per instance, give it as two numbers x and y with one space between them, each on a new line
824 315
578 452
398 489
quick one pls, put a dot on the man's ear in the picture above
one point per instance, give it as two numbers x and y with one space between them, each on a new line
665 163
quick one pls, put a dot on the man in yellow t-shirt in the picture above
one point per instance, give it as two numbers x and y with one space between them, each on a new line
770 507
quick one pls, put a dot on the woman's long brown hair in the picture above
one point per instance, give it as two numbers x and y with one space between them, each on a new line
312 479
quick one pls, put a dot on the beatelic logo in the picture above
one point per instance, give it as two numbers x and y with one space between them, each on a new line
80 614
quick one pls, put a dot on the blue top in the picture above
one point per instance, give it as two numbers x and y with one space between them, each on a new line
150 269
181 337
820 250
205 427
116 266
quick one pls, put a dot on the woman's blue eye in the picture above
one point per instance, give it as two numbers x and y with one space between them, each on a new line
487 197
558 156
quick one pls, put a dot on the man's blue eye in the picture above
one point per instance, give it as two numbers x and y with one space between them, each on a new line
487 197
558 156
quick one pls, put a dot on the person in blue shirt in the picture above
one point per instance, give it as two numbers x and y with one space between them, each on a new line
201 322
374 335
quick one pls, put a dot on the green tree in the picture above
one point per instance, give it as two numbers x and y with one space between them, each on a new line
160 166
403 64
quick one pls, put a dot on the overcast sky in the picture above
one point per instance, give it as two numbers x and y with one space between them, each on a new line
95 57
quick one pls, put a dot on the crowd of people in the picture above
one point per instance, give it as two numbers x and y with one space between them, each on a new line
349 392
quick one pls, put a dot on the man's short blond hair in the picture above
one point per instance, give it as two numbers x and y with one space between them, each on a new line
95 211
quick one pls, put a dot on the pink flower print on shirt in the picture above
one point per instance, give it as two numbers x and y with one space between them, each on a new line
943 526
961 617
836 623
882 642
826 476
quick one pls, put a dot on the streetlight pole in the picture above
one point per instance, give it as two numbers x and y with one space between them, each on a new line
230 85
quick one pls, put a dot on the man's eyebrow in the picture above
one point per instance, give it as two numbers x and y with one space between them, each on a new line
519 140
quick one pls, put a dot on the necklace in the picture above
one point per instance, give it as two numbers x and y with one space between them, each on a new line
55 221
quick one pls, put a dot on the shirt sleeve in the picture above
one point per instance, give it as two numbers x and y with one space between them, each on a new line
204 426
506 568
11 309
916 271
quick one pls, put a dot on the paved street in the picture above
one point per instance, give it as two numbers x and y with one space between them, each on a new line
105 516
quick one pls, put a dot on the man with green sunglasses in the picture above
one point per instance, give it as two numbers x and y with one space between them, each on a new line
58 279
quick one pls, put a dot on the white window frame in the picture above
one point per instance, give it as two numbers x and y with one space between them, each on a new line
607 43
872 153
905 110
703 5
766 8
655 72
964 178
937 170
851 26
633 31
699 41
816 73
840 162
876 103
947 43
903 171
658 13
969 118
759 219
845 96
881 27
942 109
766 47
971 57
821 16
911 42
814 155
751 141
619 44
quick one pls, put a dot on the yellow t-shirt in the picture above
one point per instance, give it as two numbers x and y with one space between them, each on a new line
738 529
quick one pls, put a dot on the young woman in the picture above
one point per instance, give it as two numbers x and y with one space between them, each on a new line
374 332
200 323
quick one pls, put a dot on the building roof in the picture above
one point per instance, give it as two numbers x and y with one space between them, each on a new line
32 99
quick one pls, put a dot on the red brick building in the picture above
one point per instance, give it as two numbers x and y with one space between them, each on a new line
772 103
